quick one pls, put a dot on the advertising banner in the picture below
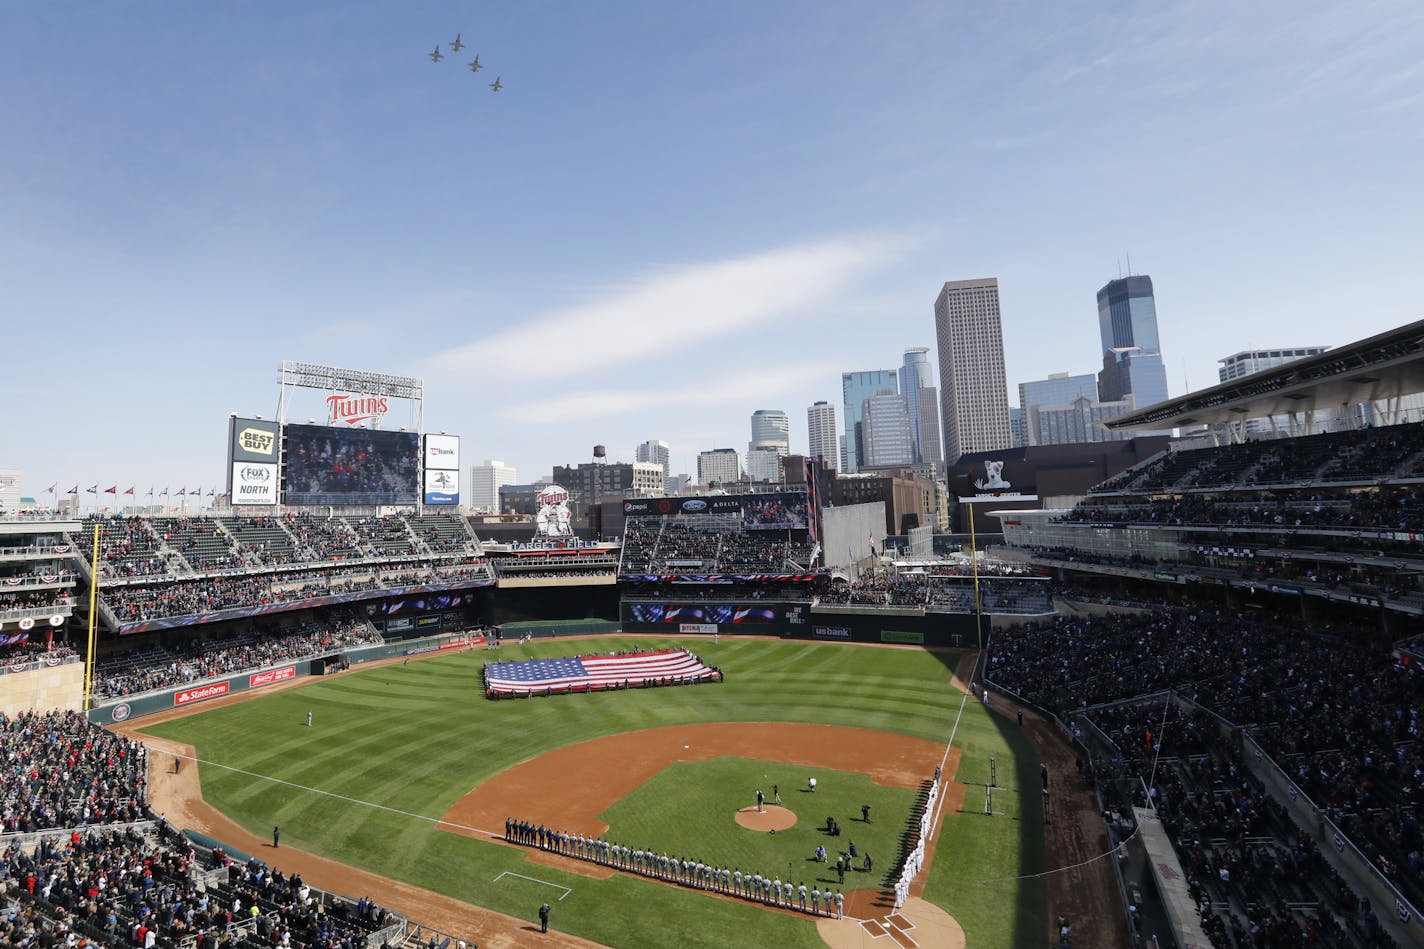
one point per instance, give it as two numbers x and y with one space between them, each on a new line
442 487
442 453
251 439
785 510
268 676
697 627
202 693
253 483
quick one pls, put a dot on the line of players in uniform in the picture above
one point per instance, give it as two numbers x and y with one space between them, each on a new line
693 873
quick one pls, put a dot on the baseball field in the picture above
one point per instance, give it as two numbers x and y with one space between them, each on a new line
408 773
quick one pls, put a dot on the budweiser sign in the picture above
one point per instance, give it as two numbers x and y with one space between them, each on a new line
353 409
199 694
271 675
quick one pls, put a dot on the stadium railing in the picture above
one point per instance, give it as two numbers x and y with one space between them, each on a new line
1311 818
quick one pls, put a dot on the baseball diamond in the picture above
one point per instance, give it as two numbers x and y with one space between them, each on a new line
575 766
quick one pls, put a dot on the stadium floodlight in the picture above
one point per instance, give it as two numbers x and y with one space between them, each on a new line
335 379
312 376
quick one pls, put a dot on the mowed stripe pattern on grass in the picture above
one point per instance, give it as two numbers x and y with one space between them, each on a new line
418 737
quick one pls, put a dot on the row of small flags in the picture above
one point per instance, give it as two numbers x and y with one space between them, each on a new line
181 492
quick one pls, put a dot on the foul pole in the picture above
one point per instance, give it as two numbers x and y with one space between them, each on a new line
93 617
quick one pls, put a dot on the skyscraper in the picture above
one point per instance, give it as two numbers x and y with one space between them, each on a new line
654 451
887 435
771 442
485 482
821 426
974 398
930 452
916 374
1132 352
1127 314
856 387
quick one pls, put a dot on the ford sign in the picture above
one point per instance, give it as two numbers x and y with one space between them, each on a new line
694 504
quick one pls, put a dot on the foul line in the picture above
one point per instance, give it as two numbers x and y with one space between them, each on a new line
342 797
511 873
939 809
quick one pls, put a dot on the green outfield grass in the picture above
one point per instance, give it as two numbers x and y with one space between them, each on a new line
689 809
416 738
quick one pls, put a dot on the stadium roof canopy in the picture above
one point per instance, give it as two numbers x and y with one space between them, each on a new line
1387 366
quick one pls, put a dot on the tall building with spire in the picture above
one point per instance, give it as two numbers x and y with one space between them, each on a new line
973 394
1133 368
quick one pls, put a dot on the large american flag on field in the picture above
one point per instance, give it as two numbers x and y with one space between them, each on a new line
559 675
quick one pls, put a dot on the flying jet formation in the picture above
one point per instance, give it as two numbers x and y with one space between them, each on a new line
475 64
456 46
435 56
496 85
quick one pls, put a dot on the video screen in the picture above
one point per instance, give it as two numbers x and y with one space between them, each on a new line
328 465
783 512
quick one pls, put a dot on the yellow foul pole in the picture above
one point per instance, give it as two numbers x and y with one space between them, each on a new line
974 557
93 616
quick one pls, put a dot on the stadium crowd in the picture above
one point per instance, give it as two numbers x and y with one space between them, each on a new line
1340 715
1386 508
145 890
158 667
62 771
683 871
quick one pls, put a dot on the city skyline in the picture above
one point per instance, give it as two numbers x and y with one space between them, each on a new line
312 187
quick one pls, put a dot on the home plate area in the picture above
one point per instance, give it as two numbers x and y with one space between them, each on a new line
895 926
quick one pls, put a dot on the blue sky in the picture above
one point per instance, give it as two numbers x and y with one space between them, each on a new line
674 214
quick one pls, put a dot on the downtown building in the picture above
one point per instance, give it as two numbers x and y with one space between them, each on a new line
653 451
856 387
770 443
917 386
718 466
485 482
1064 409
1133 369
824 438
974 401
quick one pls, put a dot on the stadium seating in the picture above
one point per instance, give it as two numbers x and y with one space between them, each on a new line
1249 867
65 772
708 544
262 539
128 546
1341 715
200 541
263 643
443 533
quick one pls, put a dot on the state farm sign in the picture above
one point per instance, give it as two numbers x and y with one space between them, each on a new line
199 694
354 409
271 675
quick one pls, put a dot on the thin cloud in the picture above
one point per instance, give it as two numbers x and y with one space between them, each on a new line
604 403
674 308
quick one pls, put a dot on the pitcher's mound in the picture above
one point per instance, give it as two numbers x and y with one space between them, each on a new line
772 817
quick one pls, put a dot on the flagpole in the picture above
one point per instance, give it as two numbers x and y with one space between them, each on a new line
93 615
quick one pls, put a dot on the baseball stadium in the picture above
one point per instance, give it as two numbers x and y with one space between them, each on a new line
1181 707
